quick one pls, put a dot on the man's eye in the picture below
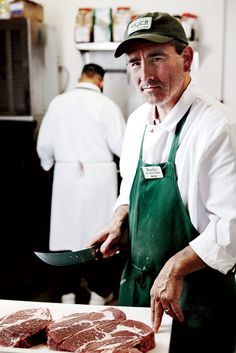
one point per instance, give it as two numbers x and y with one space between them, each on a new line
156 58
133 64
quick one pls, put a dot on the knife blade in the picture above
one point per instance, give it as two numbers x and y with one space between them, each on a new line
67 258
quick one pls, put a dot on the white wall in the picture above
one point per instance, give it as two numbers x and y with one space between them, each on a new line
229 71
62 14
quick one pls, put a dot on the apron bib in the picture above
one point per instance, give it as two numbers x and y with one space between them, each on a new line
159 227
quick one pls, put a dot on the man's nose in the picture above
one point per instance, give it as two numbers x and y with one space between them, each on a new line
146 72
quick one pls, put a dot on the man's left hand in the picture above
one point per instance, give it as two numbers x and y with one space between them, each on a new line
168 286
165 294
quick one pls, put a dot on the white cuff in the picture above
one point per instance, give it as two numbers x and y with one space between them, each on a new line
212 254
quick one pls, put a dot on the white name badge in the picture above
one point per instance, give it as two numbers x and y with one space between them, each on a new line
154 172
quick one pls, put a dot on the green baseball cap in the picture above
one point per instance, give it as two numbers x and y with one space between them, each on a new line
157 27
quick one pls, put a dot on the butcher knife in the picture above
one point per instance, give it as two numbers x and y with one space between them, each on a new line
67 258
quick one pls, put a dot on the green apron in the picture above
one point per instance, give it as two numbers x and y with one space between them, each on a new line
159 227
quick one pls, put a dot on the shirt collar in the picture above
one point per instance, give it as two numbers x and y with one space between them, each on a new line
88 85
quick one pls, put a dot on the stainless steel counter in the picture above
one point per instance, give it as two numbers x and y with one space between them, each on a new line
58 310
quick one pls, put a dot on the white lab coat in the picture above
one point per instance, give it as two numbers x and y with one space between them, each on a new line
205 164
80 132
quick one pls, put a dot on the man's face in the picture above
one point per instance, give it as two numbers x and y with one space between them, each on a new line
158 72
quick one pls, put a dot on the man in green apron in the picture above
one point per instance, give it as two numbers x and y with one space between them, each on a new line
178 194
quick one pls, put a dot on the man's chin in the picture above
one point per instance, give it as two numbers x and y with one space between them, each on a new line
151 99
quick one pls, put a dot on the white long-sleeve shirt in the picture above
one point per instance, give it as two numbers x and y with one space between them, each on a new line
205 164
81 125
80 132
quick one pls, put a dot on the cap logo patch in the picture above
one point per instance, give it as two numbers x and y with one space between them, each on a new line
139 24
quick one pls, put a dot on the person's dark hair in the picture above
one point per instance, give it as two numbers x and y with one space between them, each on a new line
179 46
91 69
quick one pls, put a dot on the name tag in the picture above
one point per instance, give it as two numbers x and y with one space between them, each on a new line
154 172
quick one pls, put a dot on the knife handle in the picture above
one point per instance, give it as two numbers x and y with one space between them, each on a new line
97 252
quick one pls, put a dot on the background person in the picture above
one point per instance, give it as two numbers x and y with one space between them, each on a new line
79 136
178 193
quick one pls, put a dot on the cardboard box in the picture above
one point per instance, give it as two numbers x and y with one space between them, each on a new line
27 9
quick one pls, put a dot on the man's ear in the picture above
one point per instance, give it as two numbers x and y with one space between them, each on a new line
188 58
101 84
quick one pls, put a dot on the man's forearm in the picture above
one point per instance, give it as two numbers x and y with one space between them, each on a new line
186 261
120 215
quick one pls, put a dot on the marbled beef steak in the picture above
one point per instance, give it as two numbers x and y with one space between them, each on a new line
124 335
117 350
106 331
24 328
61 330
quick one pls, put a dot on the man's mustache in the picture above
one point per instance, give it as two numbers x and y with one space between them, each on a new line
150 84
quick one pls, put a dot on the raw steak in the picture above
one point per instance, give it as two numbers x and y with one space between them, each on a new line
24 328
61 330
117 350
120 335
113 335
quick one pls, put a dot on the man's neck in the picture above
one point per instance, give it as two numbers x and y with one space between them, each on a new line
161 111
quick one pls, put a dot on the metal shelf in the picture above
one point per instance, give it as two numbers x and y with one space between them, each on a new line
92 46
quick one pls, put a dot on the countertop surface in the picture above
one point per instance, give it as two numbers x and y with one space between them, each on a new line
58 310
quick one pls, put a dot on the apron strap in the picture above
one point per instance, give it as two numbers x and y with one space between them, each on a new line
175 142
141 274
141 148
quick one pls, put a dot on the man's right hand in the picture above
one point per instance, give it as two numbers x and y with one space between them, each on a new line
110 236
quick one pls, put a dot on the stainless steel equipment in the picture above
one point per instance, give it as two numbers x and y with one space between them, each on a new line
28 69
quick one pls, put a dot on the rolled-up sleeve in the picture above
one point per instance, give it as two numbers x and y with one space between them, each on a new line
216 245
